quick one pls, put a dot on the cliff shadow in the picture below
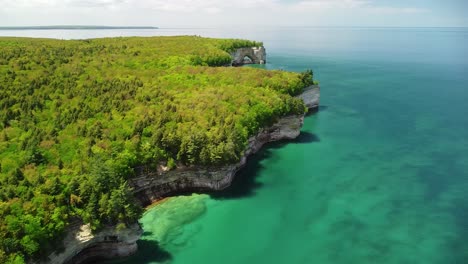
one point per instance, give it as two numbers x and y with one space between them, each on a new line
245 183
305 137
314 111
149 251
323 107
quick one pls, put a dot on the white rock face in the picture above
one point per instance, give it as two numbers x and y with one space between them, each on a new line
81 245
256 55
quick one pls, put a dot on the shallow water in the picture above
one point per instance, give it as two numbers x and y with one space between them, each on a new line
378 175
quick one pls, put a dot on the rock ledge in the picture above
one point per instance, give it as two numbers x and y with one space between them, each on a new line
152 186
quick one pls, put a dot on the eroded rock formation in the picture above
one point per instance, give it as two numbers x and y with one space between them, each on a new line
251 55
84 246
155 185
149 188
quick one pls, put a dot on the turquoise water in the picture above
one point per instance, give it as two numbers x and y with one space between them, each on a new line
378 175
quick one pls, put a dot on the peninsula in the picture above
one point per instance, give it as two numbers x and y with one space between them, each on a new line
74 27
93 130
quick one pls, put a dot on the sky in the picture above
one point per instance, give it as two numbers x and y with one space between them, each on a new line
217 13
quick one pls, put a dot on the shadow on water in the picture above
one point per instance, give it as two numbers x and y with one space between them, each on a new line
303 138
306 137
245 184
321 108
149 251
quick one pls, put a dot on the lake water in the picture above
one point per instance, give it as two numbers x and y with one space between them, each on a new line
379 174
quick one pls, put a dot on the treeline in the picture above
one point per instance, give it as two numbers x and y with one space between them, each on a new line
77 116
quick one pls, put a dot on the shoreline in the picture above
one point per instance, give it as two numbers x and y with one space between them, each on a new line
113 244
156 187
156 203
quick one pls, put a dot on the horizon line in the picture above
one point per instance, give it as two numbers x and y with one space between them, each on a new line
73 27
90 27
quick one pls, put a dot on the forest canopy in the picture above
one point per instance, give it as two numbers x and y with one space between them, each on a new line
77 116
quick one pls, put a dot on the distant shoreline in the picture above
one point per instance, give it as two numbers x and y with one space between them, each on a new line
73 27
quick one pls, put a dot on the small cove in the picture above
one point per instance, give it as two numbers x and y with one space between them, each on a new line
379 174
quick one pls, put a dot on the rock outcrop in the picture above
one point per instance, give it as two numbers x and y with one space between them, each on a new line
251 55
152 186
84 246
311 96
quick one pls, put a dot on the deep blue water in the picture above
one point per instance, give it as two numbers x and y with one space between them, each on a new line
379 174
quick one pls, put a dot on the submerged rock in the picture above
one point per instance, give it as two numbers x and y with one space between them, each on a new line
83 246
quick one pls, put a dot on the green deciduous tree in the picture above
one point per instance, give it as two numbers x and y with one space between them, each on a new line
77 117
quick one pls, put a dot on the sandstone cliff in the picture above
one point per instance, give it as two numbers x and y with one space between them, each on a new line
153 186
149 188
84 246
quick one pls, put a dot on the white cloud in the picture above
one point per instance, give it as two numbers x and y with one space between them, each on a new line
162 5
21 4
320 5
26 4
197 12
94 3
396 10
210 6
355 5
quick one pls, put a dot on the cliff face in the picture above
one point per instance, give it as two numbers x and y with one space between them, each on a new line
254 55
82 246
151 187
311 96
